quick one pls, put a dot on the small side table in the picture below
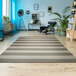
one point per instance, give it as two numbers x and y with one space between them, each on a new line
1 35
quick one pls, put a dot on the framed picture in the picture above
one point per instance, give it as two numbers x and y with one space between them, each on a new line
36 6
49 9
41 14
27 12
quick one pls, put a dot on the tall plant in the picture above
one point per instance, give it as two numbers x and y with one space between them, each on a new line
62 19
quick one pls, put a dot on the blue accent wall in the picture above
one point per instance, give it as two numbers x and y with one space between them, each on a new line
13 13
0 14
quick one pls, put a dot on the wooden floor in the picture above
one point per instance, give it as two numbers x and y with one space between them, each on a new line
40 69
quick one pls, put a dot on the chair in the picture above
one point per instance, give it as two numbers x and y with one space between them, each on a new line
50 27
7 27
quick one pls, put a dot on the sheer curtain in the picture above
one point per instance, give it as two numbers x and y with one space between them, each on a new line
5 5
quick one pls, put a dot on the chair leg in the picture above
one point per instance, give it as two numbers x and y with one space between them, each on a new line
53 31
46 31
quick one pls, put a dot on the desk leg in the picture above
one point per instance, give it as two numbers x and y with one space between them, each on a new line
28 27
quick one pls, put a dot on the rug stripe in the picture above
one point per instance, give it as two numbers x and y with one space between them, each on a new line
36 40
35 57
38 60
38 51
14 48
37 45
39 54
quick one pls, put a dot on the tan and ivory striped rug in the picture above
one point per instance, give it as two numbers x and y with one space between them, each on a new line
37 49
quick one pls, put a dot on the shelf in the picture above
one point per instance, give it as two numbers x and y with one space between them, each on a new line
71 33
71 23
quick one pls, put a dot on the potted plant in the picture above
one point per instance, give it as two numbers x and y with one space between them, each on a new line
6 18
62 19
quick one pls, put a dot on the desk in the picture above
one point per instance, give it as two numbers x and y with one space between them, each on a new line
29 24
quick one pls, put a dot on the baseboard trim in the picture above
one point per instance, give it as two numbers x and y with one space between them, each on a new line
21 30
33 30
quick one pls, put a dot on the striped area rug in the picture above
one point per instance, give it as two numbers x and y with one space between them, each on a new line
37 49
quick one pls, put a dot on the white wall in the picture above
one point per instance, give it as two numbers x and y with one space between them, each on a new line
58 6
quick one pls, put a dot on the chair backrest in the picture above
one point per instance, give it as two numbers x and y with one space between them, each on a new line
52 24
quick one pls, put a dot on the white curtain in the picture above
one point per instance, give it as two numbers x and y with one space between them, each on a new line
5 5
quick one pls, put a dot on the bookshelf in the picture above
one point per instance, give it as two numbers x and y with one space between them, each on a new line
71 31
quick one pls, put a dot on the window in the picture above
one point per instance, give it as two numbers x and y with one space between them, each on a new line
5 5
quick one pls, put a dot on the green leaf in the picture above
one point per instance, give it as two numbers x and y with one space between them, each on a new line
67 17
56 13
66 9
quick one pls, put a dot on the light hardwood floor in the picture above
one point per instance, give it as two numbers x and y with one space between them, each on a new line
40 69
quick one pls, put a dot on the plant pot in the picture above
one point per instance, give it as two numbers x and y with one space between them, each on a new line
63 33
59 33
